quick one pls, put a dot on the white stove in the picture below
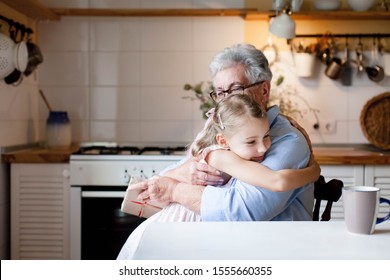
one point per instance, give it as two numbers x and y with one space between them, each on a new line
114 165
99 175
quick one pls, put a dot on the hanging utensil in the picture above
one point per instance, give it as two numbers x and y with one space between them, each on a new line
45 100
346 76
375 72
360 57
20 58
270 51
35 56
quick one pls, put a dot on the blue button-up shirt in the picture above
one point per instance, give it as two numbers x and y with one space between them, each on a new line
239 201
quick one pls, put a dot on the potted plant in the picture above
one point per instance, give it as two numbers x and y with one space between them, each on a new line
289 101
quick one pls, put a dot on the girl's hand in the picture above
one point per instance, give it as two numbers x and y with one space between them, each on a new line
314 164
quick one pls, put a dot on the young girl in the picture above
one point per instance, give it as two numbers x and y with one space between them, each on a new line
234 140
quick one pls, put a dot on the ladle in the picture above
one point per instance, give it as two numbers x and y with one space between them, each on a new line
45 100
360 58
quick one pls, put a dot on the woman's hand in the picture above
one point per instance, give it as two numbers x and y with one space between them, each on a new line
158 189
196 173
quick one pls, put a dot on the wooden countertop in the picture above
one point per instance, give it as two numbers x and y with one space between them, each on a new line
39 155
344 155
325 155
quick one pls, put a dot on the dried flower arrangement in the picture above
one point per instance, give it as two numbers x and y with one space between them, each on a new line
202 93
285 96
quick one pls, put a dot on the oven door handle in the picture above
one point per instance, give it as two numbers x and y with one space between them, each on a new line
103 194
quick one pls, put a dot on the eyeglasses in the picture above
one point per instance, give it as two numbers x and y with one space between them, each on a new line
217 96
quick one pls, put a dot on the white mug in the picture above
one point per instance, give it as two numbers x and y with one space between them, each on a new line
361 204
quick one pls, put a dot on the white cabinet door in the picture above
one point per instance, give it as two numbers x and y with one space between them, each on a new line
379 176
351 175
39 211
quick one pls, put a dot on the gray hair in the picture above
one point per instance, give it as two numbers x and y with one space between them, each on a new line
254 61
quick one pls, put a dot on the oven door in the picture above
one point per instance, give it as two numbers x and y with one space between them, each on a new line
99 228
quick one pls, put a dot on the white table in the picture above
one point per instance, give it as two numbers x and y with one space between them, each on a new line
262 240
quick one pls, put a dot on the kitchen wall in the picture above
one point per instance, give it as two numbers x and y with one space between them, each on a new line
121 79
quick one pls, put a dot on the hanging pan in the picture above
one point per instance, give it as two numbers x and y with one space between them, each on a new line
34 55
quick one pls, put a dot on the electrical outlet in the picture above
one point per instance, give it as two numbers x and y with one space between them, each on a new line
323 127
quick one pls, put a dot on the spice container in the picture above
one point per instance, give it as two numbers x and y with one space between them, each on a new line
58 131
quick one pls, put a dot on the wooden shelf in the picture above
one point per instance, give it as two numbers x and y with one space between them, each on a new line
247 14
35 9
151 12
324 15
32 9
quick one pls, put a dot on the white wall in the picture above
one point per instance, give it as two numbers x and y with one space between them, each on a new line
337 104
121 79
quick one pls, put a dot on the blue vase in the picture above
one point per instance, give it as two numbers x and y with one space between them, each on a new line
58 131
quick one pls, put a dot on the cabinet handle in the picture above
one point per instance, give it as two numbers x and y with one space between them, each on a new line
66 173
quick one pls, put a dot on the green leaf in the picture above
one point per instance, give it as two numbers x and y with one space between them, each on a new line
280 80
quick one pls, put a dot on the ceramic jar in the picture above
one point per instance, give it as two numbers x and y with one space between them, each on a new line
361 5
58 130
304 64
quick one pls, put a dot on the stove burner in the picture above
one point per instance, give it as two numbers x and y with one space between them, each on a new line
107 150
129 150
161 150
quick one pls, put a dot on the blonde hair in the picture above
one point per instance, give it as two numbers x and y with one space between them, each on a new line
229 115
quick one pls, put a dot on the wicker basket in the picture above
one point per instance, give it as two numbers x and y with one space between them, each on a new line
375 120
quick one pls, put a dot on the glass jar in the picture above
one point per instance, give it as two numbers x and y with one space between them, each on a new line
58 131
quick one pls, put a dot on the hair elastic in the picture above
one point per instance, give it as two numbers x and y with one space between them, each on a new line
220 121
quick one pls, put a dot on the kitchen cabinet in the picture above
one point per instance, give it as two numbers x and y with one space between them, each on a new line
379 176
40 211
358 175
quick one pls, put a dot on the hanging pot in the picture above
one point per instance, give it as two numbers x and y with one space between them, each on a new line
34 57
335 68
375 72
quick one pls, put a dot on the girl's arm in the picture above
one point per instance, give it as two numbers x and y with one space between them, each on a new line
256 174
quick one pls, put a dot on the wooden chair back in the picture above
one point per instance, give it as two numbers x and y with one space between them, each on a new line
328 191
